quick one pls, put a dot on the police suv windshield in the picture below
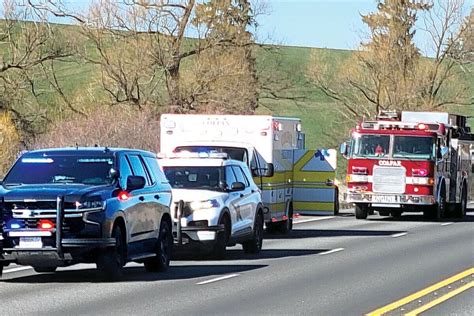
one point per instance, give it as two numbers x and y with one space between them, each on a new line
206 178
233 152
61 169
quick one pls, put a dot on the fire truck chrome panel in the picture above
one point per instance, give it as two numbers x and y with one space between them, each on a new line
389 179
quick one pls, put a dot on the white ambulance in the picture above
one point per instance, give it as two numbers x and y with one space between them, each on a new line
293 180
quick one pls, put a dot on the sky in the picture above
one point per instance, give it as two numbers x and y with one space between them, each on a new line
313 23
322 23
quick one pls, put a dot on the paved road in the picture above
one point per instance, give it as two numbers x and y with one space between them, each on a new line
326 266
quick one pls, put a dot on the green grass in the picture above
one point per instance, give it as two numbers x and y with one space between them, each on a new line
319 114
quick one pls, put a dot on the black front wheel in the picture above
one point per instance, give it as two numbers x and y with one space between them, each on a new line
361 211
111 261
219 250
45 269
161 262
254 245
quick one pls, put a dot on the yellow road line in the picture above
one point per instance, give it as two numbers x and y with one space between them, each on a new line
440 299
421 293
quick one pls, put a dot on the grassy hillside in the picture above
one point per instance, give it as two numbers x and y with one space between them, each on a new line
318 112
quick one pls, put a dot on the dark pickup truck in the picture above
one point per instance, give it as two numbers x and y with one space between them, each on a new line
107 206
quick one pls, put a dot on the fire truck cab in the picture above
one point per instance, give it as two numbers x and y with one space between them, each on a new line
411 162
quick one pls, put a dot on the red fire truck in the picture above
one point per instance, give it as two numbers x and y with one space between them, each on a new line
411 162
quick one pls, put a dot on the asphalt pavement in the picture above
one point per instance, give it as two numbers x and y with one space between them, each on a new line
326 266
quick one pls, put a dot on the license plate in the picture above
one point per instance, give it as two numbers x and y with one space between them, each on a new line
384 199
30 242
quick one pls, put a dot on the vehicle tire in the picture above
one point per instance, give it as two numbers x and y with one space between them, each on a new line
461 209
441 207
110 262
396 214
164 246
361 211
336 202
254 245
1 270
45 269
287 225
219 250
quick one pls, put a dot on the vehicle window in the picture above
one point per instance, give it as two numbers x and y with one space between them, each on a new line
263 165
125 171
371 146
88 170
240 176
229 176
137 167
414 147
155 171
206 178
233 152
254 165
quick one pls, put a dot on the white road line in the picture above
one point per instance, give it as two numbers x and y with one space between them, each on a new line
312 220
446 224
16 269
331 251
399 235
218 279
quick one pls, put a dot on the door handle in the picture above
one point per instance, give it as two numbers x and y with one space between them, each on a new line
241 195
141 198
156 196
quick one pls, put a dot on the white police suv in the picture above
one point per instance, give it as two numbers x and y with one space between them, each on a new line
215 203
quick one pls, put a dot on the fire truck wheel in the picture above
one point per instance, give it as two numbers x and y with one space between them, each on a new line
219 250
461 209
45 269
440 207
361 211
111 261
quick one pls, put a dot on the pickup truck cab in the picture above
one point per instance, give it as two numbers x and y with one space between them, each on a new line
106 206
221 205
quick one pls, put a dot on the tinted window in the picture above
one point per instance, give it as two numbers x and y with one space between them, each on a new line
125 171
206 178
137 167
155 171
229 176
233 152
89 170
240 175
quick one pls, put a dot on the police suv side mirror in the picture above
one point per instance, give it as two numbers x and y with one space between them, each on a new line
237 186
135 183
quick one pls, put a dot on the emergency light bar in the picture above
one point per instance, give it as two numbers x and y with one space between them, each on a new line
189 154
391 125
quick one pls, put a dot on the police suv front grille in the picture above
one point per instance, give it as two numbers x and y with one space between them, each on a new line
389 180
29 213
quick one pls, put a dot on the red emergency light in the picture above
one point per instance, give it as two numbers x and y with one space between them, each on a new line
45 224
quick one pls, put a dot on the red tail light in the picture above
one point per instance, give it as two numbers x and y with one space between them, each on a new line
45 224
123 196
